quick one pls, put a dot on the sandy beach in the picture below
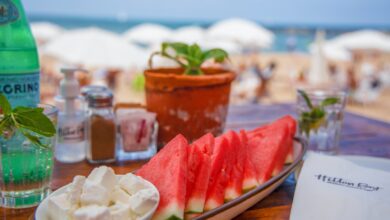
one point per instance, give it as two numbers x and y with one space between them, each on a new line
282 87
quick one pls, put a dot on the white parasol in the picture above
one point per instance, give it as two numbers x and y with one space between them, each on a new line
189 35
148 34
94 47
45 31
363 40
245 32
318 73
332 51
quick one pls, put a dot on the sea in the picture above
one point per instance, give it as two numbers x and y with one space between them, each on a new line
292 37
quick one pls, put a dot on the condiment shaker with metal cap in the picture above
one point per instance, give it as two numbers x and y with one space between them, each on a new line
101 127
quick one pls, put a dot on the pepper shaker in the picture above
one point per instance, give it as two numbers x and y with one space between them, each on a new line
101 128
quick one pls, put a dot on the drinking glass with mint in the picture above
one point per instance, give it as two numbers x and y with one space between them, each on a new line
320 116
27 137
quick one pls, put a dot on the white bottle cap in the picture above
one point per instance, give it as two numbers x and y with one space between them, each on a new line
69 85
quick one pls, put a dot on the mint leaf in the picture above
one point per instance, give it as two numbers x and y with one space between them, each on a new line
306 98
5 105
218 55
31 122
35 120
189 57
329 101
34 139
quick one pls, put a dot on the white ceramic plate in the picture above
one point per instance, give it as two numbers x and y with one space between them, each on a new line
235 207
370 162
42 211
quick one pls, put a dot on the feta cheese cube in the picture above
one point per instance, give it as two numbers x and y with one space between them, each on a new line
143 201
132 183
92 212
59 207
75 189
120 211
119 195
104 176
94 194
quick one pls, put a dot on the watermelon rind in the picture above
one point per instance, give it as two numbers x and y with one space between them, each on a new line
169 213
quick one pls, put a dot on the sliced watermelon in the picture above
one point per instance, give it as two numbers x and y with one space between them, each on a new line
249 181
236 175
199 167
292 124
167 170
286 122
268 150
205 143
218 175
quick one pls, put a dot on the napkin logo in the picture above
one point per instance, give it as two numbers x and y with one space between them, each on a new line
346 183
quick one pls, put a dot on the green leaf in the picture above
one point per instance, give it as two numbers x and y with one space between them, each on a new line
217 54
179 48
34 120
5 105
330 101
189 57
6 125
306 98
34 139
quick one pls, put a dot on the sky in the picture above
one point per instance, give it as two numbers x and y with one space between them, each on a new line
273 12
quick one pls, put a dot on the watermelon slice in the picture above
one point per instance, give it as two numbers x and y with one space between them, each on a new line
268 150
280 124
236 175
218 175
167 170
205 143
249 181
199 167
292 124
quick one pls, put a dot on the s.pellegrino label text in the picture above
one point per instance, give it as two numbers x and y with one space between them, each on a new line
8 12
20 89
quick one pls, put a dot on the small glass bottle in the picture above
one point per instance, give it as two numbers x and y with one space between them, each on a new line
101 146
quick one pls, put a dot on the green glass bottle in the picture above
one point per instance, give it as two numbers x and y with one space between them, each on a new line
19 61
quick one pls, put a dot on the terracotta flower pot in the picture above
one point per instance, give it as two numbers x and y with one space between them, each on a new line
190 105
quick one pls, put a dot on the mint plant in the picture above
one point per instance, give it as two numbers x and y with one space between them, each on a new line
31 122
315 117
189 57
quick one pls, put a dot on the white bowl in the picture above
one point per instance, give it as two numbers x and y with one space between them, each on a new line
42 212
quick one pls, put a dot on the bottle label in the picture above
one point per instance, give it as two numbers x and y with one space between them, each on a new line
71 133
8 12
20 89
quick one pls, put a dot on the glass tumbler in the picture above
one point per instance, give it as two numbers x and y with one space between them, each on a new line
320 124
25 168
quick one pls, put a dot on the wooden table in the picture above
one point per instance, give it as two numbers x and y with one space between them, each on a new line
361 136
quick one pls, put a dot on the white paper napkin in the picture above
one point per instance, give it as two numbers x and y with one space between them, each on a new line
332 188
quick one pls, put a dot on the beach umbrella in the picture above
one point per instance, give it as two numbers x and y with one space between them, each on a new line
189 35
45 31
245 32
363 40
318 72
148 34
332 51
95 48
227 45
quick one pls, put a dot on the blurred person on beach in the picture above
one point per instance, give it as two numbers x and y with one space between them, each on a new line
369 86
244 87
338 77
265 76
